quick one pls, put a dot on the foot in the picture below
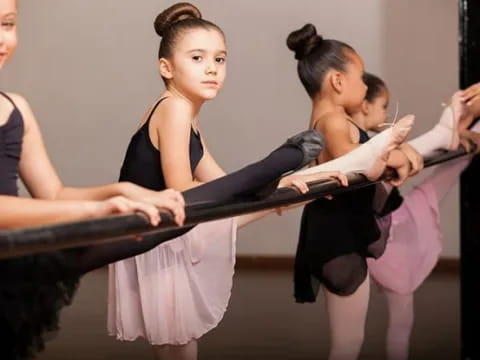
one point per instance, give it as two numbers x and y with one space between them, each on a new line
396 135
310 142
454 118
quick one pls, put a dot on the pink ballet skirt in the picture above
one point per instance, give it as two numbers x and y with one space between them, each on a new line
414 244
177 291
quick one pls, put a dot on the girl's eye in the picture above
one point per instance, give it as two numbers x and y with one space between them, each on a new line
197 58
220 60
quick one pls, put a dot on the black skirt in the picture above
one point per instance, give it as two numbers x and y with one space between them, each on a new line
33 290
336 237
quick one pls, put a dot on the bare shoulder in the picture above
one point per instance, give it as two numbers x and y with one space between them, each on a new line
6 109
173 112
23 106
19 101
333 122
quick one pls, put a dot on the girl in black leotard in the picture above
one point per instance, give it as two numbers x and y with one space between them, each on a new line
336 236
34 288
177 292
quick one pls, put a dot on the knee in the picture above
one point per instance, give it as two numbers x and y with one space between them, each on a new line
344 279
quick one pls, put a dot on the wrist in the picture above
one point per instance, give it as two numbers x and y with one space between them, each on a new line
124 188
92 209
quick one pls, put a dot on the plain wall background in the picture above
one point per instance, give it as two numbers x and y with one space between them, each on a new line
88 69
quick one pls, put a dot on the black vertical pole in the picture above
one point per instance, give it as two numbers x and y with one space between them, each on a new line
470 192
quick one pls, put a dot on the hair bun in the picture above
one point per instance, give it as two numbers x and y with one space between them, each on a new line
303 41
173 14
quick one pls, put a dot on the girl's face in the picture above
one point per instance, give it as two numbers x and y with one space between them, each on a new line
197 68
355 88
376 113
8 29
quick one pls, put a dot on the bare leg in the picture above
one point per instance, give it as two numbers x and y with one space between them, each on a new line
347 316
188 351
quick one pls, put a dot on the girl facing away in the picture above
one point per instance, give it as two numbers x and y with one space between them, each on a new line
337 236
415 240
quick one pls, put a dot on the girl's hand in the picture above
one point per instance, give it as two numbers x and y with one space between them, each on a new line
471 96
403 173
414 157
122 205
166 200
301 180
335 175
298 182
470 139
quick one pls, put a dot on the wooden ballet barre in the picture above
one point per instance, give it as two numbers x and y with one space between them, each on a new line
24 241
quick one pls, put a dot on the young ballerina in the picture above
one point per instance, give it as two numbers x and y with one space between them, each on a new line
337 236
177 292
414 244
33 289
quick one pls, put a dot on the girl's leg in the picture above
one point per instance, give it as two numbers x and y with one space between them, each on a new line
296 152
347 316
400 323
445 134
371 157
245 182
188 351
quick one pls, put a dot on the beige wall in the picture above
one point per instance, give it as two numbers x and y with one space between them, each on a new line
422 72
89 70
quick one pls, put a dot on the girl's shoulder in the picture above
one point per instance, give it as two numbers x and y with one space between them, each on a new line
332 122
13 99
172 114
10 101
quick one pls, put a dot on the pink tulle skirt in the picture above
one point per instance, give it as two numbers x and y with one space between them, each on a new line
177 291
414 245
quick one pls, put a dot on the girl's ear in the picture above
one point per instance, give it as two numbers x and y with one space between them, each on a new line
365 107
166 68
337 81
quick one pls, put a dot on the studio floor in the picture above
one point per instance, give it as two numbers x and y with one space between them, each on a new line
263 322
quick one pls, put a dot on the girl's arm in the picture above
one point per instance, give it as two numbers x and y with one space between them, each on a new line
22 212
208 169
173 121
42 181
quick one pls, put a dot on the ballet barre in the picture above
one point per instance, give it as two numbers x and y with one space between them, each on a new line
32 240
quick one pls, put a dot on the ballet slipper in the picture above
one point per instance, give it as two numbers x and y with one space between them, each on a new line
394 137
455 118
310 143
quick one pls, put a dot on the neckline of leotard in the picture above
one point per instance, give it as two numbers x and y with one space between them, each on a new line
13 111
358 127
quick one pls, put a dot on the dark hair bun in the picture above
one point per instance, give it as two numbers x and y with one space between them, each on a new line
303 41
173 14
